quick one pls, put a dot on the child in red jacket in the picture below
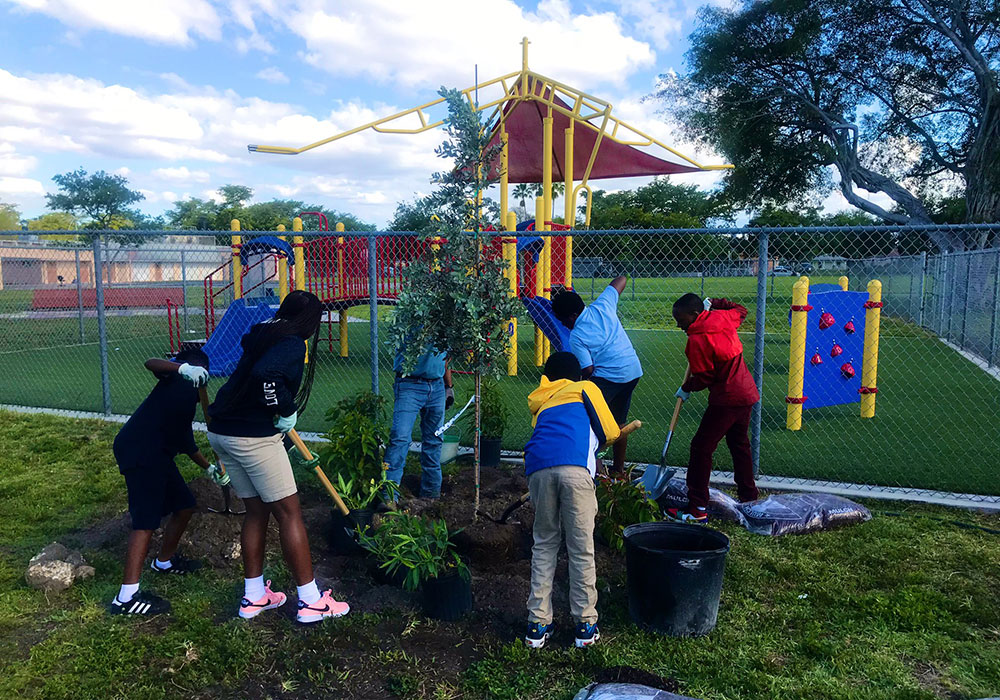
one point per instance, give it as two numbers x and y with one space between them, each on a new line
715 355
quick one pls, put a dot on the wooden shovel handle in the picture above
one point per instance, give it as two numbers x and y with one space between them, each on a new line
203 398
630 428
320 474
677 406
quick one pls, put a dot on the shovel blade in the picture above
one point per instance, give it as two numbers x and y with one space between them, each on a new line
654 480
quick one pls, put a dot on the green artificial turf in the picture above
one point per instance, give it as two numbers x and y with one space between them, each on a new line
934 425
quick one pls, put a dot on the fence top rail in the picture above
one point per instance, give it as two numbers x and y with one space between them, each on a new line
731 231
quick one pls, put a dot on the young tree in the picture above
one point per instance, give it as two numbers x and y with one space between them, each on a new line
455 297
102 198
53 221
890 93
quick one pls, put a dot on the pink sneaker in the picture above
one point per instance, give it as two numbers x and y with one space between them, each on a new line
325 607
270 601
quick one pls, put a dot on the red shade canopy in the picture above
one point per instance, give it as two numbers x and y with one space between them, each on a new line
523 121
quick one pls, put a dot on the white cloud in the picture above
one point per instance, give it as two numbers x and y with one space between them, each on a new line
427 44
161 21
272 75
660 21
182 174
14 164
17 186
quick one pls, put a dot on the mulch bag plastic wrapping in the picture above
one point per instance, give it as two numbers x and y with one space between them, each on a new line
625 691
778 514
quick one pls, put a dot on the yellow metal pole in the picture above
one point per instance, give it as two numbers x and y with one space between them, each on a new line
510 255
842 281
234 225
282 269
547 166
569 210
539 280
299 253
340 286
547 288
797 353
504 177
869 372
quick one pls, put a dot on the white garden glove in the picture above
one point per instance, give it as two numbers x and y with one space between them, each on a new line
682 395
707 304
194 374
286 423
218 477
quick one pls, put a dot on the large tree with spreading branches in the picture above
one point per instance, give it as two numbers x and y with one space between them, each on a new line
900 97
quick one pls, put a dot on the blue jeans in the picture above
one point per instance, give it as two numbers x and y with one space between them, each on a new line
411 397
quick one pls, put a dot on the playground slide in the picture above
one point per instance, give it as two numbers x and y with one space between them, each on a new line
223 348
540 311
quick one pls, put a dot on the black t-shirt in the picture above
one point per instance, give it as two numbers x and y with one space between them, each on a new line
270 388
160 428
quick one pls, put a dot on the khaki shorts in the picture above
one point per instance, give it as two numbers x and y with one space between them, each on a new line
257 466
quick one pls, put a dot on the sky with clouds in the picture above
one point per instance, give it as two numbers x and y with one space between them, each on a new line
170 92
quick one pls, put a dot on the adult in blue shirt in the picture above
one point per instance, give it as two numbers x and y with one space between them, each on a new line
426 391
604 350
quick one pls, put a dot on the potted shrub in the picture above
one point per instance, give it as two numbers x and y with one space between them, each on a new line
621 503
353 458
420 551
494 417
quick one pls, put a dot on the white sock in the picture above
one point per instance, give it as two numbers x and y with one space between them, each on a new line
162 565
253 588
309 593
128 590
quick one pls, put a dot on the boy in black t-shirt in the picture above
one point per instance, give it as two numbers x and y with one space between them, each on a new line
144 449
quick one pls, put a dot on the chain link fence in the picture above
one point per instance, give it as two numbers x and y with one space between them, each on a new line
80 314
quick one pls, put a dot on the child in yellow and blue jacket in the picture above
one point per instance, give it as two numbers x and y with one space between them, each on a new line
571 423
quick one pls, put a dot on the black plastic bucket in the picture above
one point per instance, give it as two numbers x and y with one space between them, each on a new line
341 533
447 597
675 577
489 452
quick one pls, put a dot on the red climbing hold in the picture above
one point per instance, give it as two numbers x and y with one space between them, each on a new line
816 359
826 320
849 327
836 350
847 369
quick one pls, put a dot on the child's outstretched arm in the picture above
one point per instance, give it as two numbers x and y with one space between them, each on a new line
726 305
193 373
619 283
601 420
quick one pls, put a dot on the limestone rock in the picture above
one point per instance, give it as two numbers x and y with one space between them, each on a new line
50 575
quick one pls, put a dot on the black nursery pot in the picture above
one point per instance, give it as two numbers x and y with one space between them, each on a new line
489 451
340 533
447 597
383 577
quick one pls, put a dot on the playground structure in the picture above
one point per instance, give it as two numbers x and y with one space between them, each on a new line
541 126
837 329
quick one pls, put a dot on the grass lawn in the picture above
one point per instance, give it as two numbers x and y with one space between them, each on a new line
900 607
931 401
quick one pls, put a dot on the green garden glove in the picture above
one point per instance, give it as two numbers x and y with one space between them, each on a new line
298 460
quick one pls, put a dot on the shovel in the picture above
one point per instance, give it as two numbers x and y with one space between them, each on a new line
655 477
631 427
227 491
307 455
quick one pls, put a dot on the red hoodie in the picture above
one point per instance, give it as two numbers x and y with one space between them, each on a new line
715 354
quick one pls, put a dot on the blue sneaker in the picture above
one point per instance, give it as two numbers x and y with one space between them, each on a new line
537 635
586 634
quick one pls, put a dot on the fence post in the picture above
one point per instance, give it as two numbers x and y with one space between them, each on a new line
373 310
102 331
923 288
995 321
965 308
758 348
79 295
184 290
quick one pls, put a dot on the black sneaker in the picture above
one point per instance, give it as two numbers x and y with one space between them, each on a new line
142 603
178 565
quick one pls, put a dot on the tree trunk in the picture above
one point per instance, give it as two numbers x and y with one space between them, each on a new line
982 192
475 448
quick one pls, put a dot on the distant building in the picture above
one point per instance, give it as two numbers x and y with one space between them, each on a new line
830 263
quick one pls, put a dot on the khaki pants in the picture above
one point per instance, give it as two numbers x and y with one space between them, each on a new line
565 502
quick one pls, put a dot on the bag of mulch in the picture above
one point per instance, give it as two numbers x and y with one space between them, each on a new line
799 513
721 506
625 691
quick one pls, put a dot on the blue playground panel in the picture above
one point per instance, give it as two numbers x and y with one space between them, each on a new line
540 311
825 384
223 348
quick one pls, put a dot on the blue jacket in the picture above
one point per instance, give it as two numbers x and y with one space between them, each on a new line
571 422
